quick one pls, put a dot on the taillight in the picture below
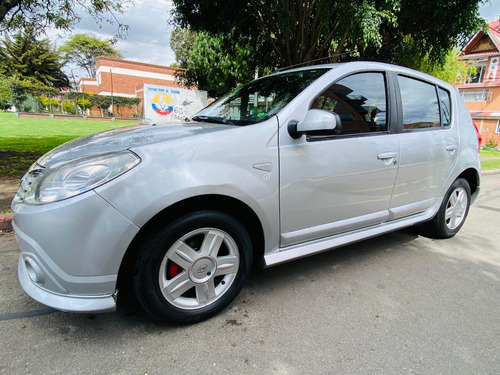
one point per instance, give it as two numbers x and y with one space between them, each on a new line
479 138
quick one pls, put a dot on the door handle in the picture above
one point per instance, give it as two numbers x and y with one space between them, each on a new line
451 148
387 158
387 155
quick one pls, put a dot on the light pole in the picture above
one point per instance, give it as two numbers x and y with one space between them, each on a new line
111 73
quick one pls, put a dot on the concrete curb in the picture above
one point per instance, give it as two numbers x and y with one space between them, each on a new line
6 219
494 171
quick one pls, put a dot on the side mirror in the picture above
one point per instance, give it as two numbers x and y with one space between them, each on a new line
316 122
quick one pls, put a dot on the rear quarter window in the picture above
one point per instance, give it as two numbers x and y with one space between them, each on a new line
444 107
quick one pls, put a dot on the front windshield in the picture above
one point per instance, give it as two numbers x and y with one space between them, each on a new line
259 100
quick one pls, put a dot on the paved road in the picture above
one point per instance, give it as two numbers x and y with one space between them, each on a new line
398 304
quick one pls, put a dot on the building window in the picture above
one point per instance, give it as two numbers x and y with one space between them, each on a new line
479 76
498 127
476 95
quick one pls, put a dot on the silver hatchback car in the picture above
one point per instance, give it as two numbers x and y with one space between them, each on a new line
289 165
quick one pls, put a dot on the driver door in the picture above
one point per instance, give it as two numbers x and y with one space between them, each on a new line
339 183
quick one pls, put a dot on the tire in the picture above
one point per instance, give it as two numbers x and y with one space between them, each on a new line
192 268
453 211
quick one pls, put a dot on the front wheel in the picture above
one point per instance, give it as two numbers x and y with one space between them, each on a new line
453 211
193 268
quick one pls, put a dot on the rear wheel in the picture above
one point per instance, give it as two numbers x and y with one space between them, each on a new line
193 268
453 211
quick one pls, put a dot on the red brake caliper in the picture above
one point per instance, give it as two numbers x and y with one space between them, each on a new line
173 270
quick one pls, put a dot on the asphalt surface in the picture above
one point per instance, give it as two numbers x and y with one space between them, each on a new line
397 304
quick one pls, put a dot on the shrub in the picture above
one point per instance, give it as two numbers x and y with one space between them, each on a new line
49 103
491 144
68 107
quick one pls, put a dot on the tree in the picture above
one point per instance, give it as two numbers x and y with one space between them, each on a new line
18 93
83 50
451 69
26 58
433 31
61 14
5 93
296 31
181 41
212 63
303 31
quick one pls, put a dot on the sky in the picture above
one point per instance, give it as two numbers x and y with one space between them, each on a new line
149 33
147 39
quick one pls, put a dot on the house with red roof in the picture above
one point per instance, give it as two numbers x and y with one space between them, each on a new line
481 92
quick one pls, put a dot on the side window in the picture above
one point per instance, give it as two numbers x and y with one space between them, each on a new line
359 100
445 107
420 104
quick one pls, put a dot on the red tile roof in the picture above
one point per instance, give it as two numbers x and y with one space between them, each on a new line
493 33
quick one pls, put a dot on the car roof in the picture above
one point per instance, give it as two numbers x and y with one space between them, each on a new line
368 65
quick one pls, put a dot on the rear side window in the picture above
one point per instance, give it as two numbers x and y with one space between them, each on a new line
360 102
425 106
445 107
420 104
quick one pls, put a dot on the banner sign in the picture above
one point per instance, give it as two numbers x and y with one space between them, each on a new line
492 71
171 104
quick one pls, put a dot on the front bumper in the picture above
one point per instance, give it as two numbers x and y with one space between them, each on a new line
63 302
71 252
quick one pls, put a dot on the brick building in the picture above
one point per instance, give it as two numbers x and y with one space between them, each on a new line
117 77
481 92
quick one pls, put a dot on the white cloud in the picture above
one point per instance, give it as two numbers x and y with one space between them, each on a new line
490 11
148 38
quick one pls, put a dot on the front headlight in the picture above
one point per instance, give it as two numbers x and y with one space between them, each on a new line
66 180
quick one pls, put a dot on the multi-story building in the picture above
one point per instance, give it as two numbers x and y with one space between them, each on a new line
481 91
122 78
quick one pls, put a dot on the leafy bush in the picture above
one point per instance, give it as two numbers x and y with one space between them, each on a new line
492 144
83 103
68 107
49 103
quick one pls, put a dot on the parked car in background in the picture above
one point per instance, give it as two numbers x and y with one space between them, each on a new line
287 166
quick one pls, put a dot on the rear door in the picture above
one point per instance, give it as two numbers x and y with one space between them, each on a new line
334 184
429 146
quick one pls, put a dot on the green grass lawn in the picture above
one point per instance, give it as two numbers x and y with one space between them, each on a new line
488 165
24 139
490 153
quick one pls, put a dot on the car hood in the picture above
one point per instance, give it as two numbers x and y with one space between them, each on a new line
123 139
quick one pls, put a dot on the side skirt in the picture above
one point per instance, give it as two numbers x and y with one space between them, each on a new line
302 250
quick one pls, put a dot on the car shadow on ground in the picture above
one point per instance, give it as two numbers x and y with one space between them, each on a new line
326 263
278 280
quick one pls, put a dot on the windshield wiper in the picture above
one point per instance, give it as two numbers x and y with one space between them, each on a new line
216 120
